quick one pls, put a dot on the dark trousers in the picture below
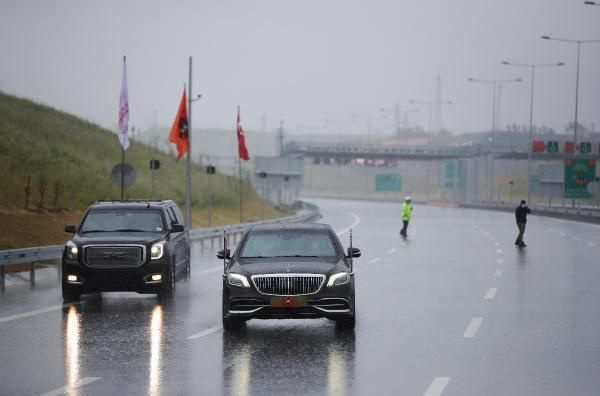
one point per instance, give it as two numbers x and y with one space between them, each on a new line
404 227
521 227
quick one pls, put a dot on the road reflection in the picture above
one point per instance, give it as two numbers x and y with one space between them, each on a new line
72 350
91 328
288 357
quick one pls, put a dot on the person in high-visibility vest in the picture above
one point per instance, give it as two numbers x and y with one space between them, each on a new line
406 214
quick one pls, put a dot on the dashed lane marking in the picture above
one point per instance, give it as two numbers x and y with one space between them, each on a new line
499 261
576 238
499 251
392 250
591 244
375 260
204 333
491 293
473 327
498 274
437 386
35 312
562 234
68 389
496 244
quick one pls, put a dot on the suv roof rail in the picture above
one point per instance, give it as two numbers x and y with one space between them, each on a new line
132 201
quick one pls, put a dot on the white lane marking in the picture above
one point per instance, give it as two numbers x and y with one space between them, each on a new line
472 328
499 261
437 386
498 274
496 244
69 388
550 229
210 271
205 333
591 243
499 251
375 260
562 234
491 293
392 250
576 238
356 222
35 312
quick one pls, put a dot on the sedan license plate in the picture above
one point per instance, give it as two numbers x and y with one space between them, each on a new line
288 301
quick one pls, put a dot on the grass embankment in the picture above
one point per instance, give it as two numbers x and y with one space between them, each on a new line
68 163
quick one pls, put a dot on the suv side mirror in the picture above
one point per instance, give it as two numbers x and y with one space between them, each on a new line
71 228
224 254
177 228
353 252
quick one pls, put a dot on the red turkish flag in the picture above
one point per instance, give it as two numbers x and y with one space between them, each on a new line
180 130
242 149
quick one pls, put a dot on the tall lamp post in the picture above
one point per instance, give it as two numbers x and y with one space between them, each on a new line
578 42
532 67
494 84
429 132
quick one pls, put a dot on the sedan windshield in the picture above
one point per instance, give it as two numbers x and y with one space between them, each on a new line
123 221
288 243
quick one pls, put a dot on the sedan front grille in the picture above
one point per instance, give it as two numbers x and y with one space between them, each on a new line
114 256
288 284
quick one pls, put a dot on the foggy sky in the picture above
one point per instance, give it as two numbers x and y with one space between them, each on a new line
300 60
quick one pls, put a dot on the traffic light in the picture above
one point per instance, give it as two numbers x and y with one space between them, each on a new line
537 146
210 170
585 147
553 146
569 147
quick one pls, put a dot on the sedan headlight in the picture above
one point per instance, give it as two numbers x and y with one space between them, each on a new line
237 280
157 250
72 250
341 278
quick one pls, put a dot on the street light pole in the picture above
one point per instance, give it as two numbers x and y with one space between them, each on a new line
532 67
494 83
429 133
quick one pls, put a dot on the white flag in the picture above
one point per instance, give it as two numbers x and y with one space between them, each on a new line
124 111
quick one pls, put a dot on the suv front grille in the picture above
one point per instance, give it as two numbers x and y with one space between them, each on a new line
114 256
288 284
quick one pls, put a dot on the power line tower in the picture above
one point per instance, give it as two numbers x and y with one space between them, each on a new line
280 138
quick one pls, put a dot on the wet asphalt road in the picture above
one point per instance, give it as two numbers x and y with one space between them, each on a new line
455 309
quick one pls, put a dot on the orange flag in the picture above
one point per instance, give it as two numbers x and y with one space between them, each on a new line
180 130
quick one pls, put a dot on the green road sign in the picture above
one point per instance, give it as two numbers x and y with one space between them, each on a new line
578 172
552 146
585 147
450 174
533 183
388 183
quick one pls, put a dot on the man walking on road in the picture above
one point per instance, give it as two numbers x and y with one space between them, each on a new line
406 214
521 215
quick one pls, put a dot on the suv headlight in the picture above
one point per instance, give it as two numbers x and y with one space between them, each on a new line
72 250
237 280
341 278
157 250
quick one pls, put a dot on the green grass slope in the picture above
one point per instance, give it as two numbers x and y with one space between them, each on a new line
69 161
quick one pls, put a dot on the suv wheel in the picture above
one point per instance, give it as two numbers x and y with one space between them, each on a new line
168 289
69 293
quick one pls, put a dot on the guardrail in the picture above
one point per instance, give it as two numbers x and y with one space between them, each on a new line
34 255
588 215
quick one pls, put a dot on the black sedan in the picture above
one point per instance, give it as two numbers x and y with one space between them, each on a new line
288 271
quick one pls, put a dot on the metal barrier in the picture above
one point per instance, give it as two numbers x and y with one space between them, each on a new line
588 215
34 255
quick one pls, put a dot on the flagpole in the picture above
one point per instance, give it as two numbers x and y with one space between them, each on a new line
188 173
123 155
240 171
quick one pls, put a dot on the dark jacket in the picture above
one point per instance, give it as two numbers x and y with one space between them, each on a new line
521 214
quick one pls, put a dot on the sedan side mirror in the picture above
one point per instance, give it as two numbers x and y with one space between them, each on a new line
177 228
71 228
224 254
353 252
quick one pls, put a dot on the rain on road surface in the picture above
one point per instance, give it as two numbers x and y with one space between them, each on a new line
455 309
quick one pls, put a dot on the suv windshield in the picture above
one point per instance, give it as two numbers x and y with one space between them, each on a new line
288 243
123 221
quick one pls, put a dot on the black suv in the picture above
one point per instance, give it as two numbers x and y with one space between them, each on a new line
289 271
137 246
